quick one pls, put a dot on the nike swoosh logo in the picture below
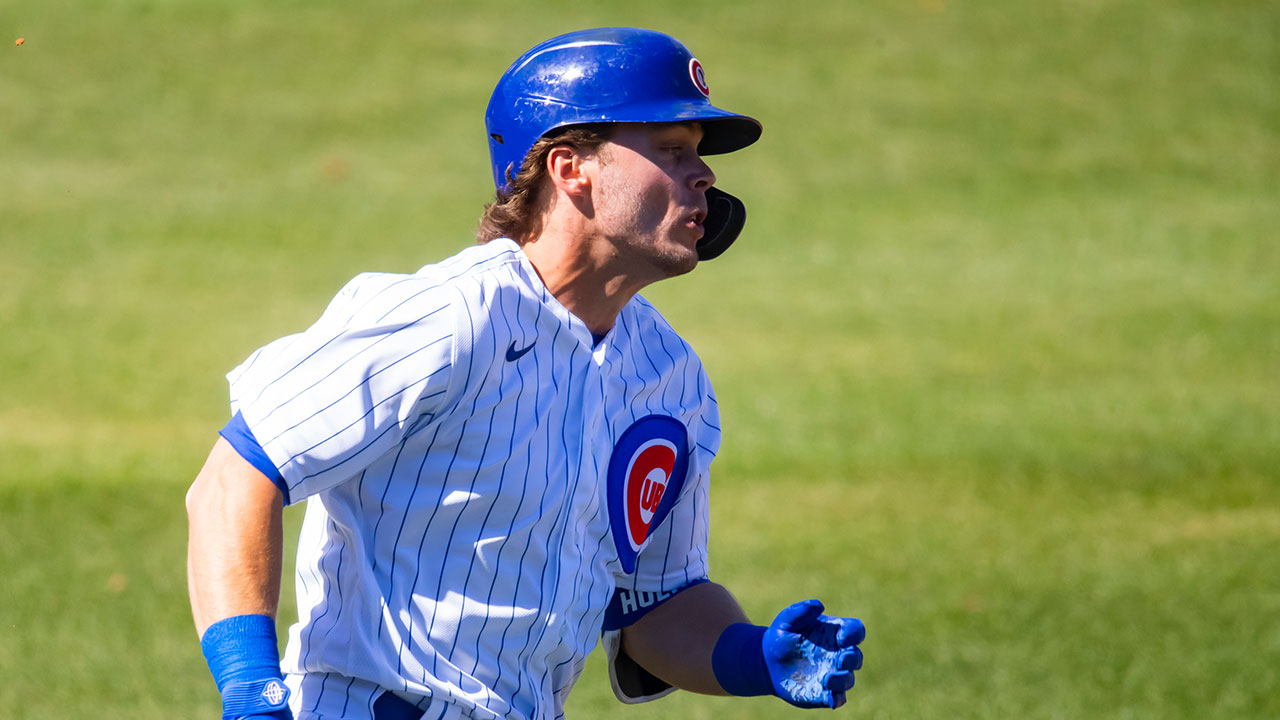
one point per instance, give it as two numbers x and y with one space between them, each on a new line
513 354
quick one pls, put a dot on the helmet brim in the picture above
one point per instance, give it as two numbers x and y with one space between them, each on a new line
727 134
723 131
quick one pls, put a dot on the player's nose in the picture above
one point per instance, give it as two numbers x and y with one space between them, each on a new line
701 176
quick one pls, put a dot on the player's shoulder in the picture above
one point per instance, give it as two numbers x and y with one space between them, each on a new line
661 356
383 295
646 325
480 272
379 298
473 262
647 319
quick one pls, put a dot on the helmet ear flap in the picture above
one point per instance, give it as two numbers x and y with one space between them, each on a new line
725 217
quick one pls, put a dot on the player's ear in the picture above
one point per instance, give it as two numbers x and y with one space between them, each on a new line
567 168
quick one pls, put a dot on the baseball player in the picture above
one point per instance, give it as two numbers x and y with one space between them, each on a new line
506 455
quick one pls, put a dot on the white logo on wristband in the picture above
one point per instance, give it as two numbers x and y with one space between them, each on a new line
275 692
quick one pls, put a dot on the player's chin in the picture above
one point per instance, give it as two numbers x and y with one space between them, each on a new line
673 264
680 258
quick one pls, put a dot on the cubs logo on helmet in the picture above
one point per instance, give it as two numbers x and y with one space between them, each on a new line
699 77
646 473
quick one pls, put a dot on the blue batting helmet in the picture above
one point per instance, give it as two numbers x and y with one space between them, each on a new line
610 75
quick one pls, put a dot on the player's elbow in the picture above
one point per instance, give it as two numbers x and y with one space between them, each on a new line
193 497
230 488
197 498
206 487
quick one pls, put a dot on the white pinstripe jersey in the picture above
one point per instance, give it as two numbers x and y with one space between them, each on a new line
454 431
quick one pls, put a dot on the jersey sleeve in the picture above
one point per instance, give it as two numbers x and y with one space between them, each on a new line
327 402
674 560
676 554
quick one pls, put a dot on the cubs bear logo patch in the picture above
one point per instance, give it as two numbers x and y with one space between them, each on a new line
646 472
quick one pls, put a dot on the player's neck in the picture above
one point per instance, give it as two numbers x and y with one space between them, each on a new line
584 275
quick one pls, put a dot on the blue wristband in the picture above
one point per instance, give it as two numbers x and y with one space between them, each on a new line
245 663
738 661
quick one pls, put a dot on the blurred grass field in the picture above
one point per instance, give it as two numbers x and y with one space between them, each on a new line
998 357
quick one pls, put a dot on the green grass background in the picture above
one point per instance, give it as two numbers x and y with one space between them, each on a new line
998 356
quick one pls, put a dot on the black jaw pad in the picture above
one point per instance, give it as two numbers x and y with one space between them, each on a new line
725 217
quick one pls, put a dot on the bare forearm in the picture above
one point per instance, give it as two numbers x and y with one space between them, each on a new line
676 640
235 540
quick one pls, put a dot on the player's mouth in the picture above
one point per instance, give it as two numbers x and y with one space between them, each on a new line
695 222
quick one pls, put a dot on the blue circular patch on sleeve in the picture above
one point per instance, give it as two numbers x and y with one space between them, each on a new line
646 473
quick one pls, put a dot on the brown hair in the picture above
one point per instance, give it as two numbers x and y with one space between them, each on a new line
515 213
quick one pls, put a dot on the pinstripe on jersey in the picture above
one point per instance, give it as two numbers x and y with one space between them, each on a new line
457 540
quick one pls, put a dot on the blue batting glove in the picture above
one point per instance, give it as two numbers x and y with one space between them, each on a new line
803 657
811 657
